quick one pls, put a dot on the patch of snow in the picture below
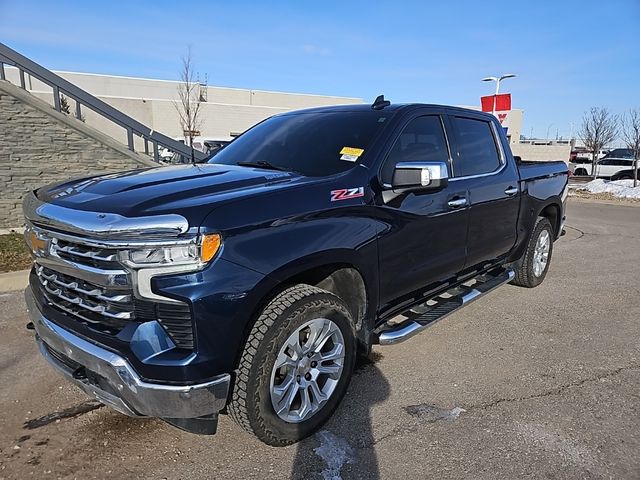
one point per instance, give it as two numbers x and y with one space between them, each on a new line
335 451
618 188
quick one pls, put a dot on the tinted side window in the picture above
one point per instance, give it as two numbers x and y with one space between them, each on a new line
477 150
422 140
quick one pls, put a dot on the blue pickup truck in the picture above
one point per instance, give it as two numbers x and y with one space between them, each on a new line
248 285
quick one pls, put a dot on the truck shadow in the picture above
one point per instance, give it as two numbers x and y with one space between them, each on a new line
344 447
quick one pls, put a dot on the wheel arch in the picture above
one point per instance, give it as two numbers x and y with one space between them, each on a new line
337 273
553 213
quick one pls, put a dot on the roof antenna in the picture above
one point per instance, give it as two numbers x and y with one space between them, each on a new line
379 103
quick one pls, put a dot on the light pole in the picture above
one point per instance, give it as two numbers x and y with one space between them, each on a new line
497 80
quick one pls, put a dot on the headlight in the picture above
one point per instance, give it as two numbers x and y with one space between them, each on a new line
196 254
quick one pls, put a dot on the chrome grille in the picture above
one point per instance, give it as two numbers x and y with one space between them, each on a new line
75 252
103 309
85 279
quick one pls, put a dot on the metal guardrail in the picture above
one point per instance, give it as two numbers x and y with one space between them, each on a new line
82 98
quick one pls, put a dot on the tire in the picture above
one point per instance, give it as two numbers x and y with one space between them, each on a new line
580 172
272 339
625 177
529 272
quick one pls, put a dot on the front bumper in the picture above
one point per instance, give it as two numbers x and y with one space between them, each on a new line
111 379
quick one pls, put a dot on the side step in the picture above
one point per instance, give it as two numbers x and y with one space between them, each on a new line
437 308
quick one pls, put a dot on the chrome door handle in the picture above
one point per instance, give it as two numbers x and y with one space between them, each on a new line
511 190
457 203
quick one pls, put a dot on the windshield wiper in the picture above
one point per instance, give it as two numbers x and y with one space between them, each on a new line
264 164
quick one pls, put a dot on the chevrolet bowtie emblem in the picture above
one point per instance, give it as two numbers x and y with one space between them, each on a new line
36 243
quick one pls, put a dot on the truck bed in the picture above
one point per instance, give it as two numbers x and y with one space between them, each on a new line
531 170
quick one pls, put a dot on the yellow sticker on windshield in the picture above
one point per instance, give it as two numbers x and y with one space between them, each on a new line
352 151
350 154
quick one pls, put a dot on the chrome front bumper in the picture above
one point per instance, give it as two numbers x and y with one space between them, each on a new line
112 380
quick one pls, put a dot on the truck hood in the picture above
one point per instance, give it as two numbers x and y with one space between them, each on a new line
189 190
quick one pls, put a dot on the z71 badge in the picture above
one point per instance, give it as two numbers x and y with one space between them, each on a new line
347 193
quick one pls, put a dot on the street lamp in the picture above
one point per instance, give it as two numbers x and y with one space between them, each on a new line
497 80
548 128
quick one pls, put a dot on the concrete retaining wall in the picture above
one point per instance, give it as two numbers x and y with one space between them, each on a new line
39 146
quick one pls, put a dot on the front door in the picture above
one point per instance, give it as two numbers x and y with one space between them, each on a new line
426 232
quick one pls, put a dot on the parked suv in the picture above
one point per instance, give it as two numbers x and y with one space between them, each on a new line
249 284
622 153
606 168
626 174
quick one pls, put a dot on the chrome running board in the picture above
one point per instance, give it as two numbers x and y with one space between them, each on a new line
441 306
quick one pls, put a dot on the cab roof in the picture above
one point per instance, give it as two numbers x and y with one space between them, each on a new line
393 108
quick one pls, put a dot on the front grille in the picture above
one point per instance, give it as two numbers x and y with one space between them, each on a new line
84 254
106 310
88 283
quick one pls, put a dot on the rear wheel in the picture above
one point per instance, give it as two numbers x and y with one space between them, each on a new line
533 266
295 367
580 172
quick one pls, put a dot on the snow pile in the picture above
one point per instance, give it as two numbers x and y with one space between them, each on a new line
618 188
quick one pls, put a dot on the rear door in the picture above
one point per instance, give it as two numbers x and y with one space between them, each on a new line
604 167
491 180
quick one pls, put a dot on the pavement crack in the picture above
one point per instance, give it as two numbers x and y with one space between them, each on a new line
404 428
580 232
559 390
71 412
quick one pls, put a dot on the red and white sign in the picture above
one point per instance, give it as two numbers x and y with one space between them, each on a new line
496 103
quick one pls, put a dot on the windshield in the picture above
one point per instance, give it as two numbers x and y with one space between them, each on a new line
312 144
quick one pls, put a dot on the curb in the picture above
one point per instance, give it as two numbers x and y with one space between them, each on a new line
618 201
13 281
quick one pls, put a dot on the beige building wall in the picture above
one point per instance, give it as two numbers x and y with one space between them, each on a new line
541 153
227 111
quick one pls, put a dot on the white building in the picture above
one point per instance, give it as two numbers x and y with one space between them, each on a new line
226 112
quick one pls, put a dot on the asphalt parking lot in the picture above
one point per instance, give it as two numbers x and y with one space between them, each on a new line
540 383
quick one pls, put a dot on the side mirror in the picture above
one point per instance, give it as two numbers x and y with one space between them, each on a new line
419 176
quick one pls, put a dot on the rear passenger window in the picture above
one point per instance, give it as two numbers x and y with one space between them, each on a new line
422 140
477 149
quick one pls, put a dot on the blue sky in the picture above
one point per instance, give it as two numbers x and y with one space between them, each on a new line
569 55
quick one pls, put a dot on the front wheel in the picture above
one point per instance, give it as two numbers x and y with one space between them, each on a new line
533 266
295 367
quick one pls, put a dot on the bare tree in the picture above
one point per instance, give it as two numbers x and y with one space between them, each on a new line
631 137
189 101
599 128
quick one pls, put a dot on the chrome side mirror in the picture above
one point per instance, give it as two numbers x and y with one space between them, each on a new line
419 176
